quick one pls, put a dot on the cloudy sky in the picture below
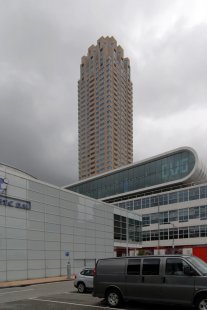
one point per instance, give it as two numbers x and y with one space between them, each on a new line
41 45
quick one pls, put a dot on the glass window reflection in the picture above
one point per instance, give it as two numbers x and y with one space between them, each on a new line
163 170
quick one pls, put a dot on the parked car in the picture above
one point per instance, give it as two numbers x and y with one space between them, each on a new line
169 279
84 280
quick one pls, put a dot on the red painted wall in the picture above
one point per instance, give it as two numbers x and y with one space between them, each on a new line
201 252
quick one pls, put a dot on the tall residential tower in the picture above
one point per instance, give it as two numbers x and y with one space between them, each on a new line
105 116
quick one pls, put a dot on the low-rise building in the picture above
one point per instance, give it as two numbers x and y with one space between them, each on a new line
43 227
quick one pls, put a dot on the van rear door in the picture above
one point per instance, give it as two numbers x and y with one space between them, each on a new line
109 272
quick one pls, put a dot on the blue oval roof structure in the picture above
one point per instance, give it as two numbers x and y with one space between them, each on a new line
180 166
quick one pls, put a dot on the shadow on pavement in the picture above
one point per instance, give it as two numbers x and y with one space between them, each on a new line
132 305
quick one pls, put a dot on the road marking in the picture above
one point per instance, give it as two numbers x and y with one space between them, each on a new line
11 292
70 293
71 303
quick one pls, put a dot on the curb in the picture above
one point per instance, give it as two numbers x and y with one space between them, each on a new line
29 283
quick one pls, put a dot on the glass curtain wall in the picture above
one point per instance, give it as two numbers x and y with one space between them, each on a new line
126 229
170 168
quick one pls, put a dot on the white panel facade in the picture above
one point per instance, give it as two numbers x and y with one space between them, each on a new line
34 243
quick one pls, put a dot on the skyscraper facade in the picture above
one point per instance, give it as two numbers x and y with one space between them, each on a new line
105 117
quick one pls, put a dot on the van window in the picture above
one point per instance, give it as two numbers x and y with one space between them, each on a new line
111 266
175 266
151 266
133 267
198 263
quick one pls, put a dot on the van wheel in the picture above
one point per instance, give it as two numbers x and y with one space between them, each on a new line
113 298
201 303
81 287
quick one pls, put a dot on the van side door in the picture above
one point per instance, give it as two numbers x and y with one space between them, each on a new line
178 285
133 277
145 285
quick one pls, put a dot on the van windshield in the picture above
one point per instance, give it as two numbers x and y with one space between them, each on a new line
198 263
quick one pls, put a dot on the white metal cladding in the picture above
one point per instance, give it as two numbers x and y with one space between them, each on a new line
34 243
199 173
9 169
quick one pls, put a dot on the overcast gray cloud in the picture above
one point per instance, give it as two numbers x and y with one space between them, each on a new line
42 43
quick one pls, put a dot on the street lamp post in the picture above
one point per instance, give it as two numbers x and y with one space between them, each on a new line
127 232
127 236
173 242
158 223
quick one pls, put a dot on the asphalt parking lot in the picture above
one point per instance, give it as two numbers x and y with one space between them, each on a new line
75 302
62 296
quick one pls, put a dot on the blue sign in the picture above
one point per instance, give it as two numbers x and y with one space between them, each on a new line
3 184
15 203
67 253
